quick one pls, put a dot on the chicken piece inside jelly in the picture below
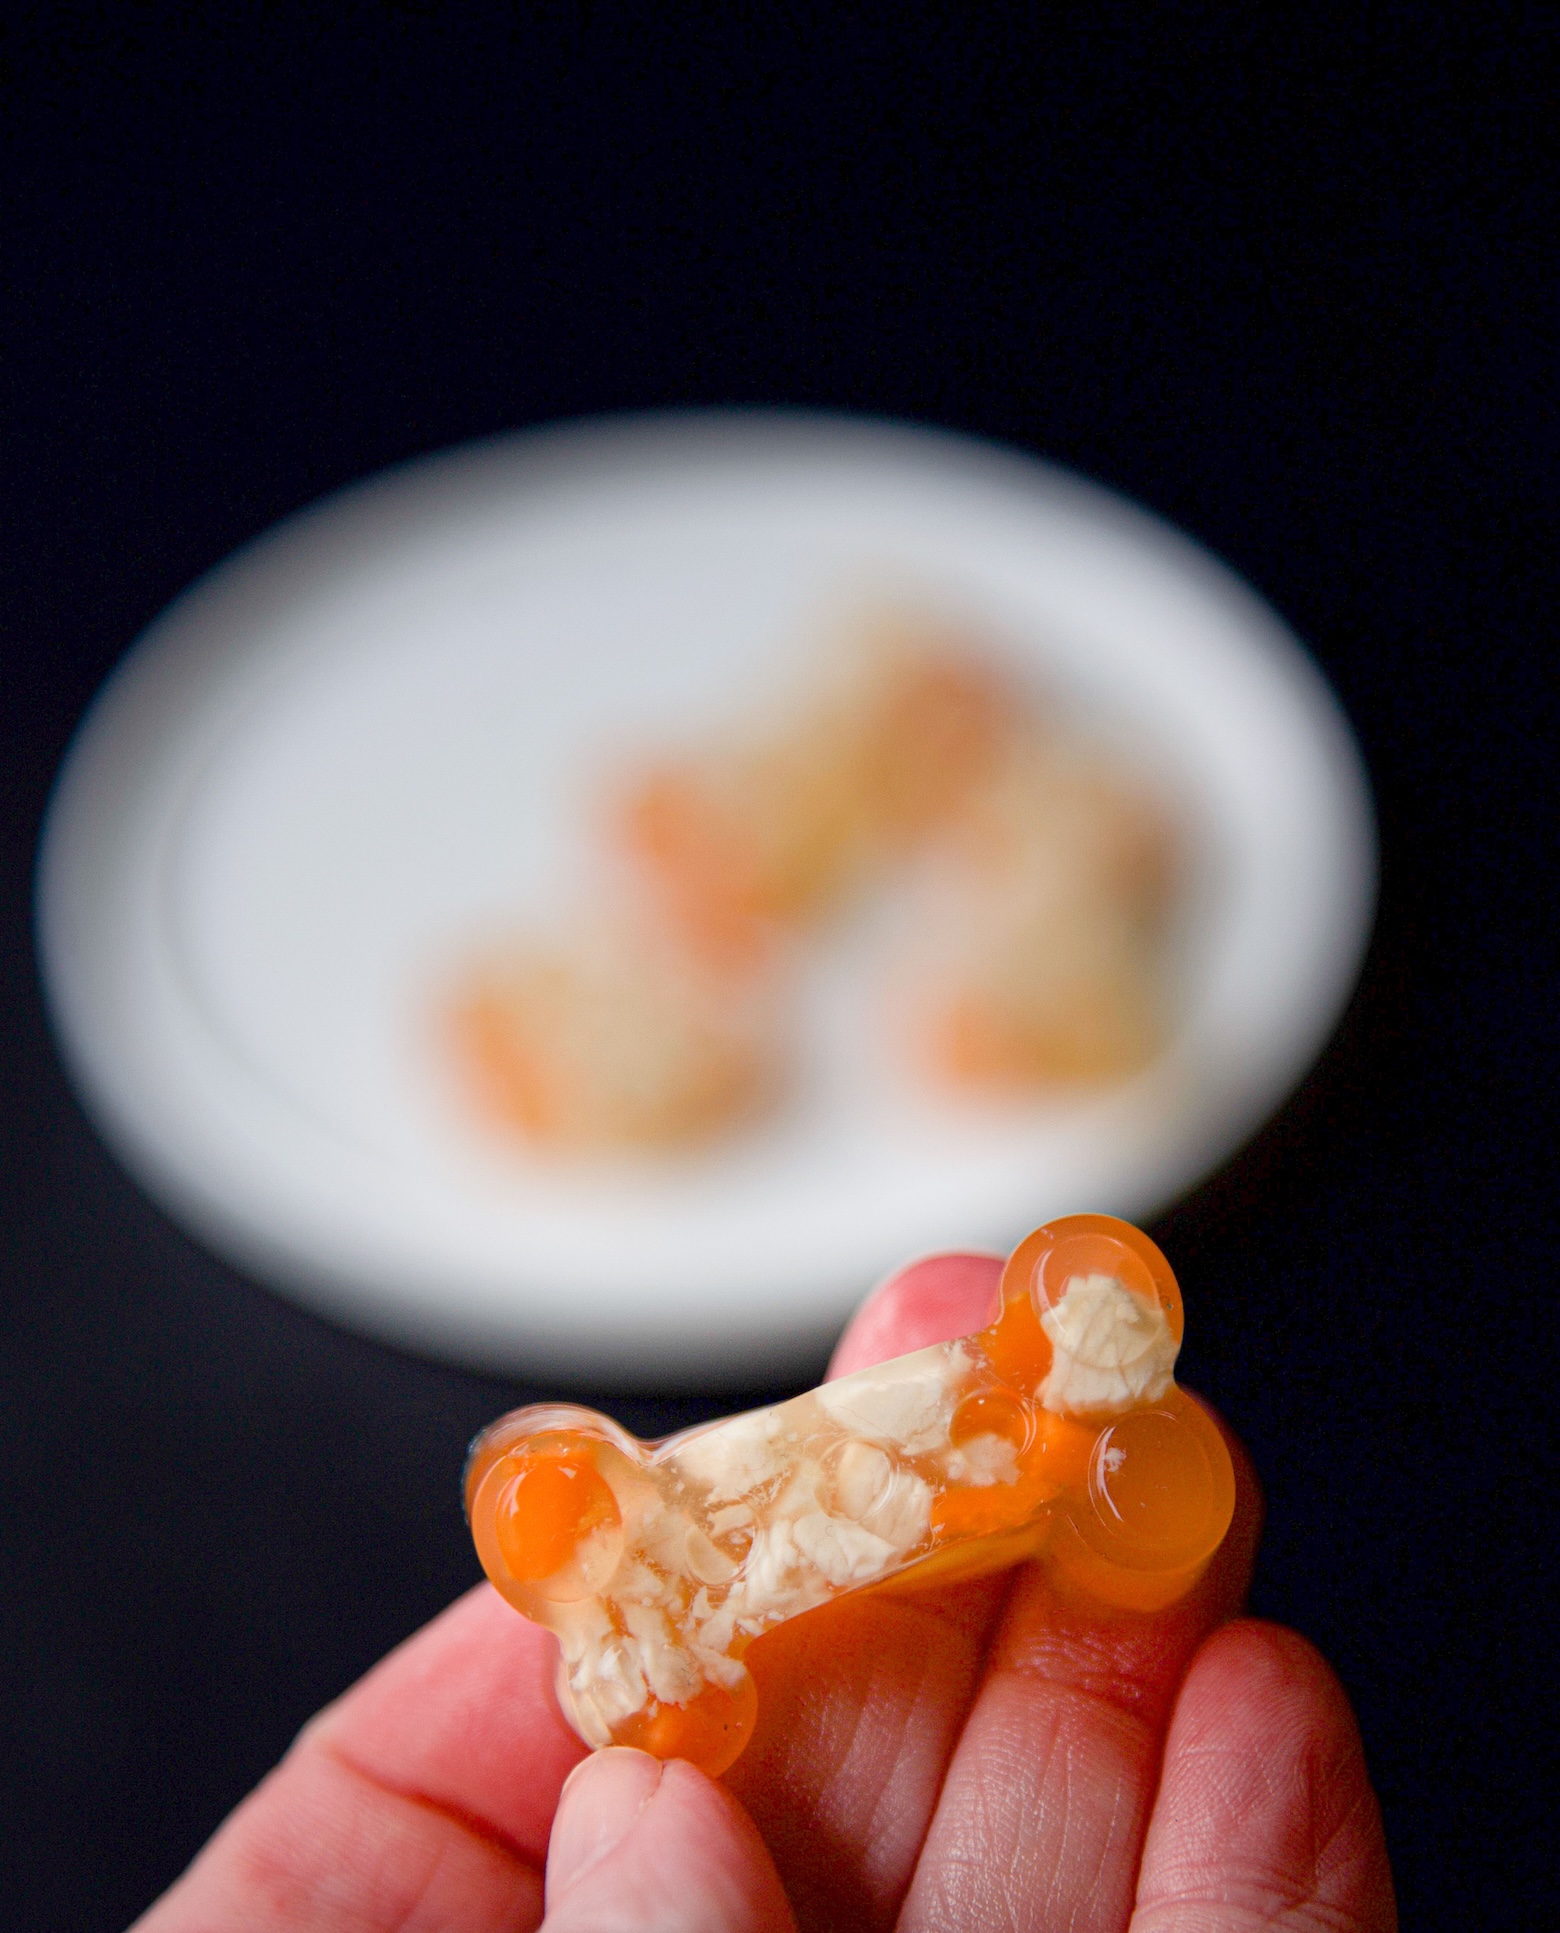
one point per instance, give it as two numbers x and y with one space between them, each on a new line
777 824
1058 1433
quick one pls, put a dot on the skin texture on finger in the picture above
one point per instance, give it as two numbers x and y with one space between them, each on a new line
860 1705
641 1847
489 1745
846 1763
318 1849
1265 1818
428 1789
1042 1816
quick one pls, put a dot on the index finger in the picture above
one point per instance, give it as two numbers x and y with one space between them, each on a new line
423 1796
861 1701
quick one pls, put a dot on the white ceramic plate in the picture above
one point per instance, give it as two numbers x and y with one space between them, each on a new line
368 740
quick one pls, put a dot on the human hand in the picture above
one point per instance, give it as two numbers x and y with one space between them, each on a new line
984 1755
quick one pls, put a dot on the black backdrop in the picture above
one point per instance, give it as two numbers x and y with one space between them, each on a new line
1298 294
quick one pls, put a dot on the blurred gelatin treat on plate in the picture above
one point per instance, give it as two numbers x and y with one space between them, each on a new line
777 819
1043 915
591 902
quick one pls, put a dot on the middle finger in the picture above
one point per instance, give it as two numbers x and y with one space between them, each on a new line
1041 1818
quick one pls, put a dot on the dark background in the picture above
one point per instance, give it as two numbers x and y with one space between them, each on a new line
1297 294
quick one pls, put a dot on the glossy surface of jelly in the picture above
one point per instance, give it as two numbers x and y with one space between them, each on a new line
1058 1433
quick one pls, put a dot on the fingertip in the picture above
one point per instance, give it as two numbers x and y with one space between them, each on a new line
936 1299
1266 1799
601 1799
1253 1675
642 1844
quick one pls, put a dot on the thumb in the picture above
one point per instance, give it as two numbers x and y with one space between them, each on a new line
638 1846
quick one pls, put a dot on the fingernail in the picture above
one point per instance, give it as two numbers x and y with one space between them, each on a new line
600 1800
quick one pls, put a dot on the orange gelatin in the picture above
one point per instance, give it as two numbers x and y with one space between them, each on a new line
1043 960
552 1505
775 825
1057 1434
619 1037
709 1731
714 888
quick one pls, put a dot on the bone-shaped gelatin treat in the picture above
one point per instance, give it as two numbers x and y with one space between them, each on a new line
1058 1433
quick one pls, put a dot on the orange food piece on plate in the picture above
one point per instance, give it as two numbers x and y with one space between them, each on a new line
1045 922
775 827
620 1038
